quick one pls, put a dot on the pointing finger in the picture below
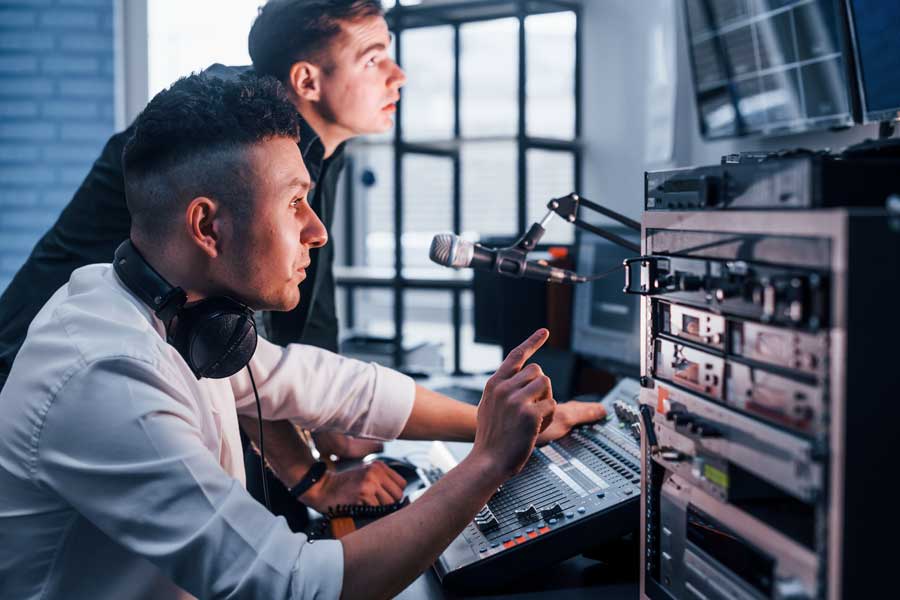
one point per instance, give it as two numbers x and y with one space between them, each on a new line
521 353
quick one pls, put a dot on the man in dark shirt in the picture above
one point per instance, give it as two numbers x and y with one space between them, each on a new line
333 59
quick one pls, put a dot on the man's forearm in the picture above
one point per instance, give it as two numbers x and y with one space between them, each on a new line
437 417
417 534
286 451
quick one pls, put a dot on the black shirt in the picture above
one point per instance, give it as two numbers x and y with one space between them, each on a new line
96 221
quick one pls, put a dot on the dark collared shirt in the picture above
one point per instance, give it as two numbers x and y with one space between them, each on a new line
314 321
96 221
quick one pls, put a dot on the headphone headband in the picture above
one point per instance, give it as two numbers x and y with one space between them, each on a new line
147 284
216 336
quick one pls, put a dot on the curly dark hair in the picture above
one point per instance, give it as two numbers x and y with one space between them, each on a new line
191 140
288 31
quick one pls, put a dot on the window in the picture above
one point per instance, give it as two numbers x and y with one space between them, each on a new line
184 37
489 134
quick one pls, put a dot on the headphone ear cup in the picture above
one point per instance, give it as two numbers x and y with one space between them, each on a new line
216 337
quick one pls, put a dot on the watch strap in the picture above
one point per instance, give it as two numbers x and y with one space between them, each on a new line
313 475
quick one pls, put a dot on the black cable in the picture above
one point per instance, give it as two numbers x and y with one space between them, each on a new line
262 448
604 273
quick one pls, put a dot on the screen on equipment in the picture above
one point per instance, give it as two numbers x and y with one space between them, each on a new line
876 40
767 66
606 320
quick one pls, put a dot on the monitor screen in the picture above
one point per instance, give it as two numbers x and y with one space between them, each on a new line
876 37
606 320
767 66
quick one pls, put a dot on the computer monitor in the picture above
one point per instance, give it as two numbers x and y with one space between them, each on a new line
605 320
768 66
875 29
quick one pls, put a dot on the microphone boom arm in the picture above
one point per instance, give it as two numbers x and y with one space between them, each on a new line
567 208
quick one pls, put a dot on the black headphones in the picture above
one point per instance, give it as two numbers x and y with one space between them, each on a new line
215 336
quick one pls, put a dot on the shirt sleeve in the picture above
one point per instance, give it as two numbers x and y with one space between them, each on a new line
122 445
318 389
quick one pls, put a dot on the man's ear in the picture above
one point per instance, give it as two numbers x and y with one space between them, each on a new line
305 81
204 222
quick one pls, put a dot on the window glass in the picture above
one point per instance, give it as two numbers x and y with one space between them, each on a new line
550 175
374 199
489 60
550 75
489 189
181 39
427 55
427 205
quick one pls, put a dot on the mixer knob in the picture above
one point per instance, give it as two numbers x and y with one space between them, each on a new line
636 430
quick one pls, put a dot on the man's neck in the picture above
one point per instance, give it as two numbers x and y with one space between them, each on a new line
172 270
330 134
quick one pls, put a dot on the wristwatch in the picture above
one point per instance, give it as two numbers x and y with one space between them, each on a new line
313 475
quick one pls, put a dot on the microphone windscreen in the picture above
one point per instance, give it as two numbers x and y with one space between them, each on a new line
440 249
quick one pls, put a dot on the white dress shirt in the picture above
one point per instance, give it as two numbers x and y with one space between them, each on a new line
121 474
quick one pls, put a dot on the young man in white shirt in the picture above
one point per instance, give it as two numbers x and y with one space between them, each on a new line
122 474
332 56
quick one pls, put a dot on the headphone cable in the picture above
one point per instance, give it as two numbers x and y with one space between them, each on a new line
262 448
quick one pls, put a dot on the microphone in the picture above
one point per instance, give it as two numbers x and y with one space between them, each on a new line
450 250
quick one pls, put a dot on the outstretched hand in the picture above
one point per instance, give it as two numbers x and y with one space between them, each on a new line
568 415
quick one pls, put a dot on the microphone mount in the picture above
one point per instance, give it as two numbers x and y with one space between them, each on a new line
567 208
512 261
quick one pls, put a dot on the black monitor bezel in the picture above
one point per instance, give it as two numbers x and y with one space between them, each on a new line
850 119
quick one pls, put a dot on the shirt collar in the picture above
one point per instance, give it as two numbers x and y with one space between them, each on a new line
309 139
313 150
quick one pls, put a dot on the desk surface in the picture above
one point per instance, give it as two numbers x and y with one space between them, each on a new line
616 577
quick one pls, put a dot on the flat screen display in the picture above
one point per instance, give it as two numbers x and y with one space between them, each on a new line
606 321
876 36
767 66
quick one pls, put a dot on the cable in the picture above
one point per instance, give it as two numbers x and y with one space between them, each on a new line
262 448
604 273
